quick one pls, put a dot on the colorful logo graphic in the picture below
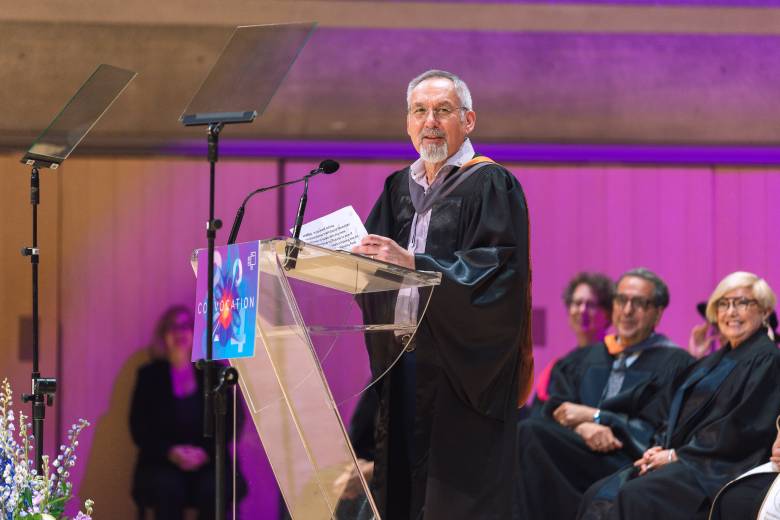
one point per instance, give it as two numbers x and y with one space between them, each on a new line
235 302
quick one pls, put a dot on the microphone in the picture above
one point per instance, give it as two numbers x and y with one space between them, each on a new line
327 167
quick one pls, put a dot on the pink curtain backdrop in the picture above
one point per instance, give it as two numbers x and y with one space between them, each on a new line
129 225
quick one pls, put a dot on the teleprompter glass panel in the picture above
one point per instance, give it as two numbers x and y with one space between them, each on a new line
79 115
247 73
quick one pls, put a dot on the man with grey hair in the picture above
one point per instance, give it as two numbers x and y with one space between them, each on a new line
446 424
589 427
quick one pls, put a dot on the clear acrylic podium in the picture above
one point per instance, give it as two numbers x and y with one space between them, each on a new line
325 331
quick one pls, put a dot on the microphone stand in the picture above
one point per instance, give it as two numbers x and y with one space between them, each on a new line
291 251
43 389
301 208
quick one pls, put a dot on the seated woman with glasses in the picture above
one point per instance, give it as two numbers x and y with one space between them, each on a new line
713 423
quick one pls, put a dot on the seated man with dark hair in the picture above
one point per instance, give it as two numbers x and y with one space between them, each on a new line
587 429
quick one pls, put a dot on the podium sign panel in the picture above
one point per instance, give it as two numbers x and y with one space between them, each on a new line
235 302
325 331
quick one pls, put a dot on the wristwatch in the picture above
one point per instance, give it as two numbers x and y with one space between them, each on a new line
597 417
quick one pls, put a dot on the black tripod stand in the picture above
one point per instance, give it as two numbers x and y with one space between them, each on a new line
50 149
216 379
43 388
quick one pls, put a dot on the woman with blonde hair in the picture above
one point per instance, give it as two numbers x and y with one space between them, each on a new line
713 423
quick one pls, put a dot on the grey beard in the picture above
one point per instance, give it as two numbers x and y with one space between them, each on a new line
434 153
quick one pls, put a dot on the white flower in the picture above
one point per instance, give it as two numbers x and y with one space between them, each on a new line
19 479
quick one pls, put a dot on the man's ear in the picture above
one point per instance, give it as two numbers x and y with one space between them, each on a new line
471 121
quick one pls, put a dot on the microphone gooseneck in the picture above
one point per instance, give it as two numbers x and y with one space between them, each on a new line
327 167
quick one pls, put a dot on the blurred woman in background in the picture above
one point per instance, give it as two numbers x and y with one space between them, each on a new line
175 467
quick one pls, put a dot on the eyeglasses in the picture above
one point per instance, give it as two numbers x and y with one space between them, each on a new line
741 304
440 113
588 304
637 302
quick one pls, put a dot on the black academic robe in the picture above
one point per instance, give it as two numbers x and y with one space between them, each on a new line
719 416
555 464
744 498
454 399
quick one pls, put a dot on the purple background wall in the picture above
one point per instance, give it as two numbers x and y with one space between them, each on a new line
559 90
123 229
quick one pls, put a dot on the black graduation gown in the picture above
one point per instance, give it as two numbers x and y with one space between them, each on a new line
560 465
719 416
472 356
744 498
